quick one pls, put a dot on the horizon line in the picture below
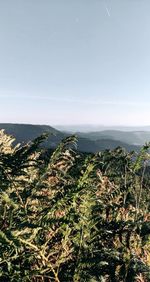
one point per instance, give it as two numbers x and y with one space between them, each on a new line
78 124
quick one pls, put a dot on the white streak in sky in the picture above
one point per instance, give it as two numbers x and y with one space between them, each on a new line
106 8
91 101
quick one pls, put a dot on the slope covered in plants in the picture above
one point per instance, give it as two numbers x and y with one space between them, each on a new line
69 217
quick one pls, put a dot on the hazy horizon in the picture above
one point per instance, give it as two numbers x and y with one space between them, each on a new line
77 124
75 61
88 127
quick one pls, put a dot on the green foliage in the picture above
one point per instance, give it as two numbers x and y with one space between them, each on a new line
70 217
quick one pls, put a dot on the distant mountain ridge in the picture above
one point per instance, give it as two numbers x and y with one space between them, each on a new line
86 128
90 142
132 138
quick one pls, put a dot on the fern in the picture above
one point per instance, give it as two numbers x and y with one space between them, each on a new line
67 216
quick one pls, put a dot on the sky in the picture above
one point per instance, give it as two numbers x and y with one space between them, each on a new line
75 62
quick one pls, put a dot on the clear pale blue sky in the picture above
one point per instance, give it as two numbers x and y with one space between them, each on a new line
75 61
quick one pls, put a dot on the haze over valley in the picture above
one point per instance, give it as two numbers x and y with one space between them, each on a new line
89 141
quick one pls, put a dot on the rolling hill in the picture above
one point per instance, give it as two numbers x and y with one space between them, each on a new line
90 142
132 138
28 132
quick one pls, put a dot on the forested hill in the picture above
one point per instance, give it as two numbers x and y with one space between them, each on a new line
87 145
27 132
129 137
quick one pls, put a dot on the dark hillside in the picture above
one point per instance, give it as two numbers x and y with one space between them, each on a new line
28 132
93 146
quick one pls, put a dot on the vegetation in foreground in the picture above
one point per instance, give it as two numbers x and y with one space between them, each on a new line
70 217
